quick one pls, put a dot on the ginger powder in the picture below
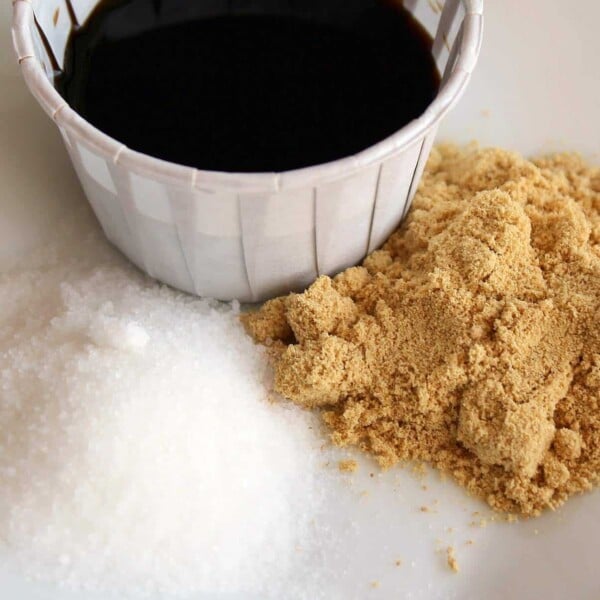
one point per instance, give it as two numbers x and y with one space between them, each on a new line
471 340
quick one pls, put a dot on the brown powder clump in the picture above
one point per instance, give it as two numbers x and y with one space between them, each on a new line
451 560
471 340
348 466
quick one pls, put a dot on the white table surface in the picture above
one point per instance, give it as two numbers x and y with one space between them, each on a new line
536 90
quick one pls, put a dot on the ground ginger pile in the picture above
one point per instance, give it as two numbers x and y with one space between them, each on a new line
470 341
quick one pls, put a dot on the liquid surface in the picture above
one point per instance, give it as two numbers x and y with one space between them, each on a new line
216 89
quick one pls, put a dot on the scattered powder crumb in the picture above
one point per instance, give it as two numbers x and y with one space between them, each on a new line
471 340
375 585
398 563
451 559
469 543
138 451
482 523
348 466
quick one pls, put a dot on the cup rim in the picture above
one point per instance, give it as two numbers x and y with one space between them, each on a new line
179 175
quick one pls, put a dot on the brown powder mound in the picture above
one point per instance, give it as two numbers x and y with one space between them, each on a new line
472 339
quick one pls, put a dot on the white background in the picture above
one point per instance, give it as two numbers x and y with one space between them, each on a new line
536 89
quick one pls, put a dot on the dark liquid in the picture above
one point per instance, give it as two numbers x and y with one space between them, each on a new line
269 86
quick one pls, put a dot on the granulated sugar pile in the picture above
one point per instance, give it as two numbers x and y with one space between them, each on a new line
138 451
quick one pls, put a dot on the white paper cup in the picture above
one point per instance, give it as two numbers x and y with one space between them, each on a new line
246 236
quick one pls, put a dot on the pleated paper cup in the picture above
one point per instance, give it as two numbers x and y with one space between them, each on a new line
246 236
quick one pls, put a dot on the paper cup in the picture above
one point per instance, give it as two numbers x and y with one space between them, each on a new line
246 236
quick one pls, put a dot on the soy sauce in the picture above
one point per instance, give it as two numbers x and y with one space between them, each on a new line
247 85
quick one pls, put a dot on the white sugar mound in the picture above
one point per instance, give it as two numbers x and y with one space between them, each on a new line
138 450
